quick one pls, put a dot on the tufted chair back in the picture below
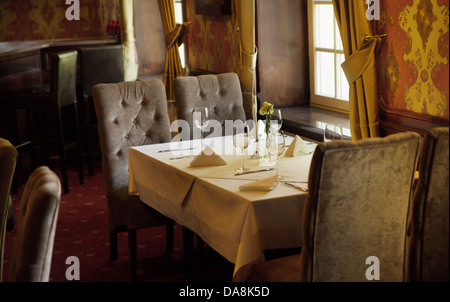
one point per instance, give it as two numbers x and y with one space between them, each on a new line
221 94
129 114
357 206
428 238
33 246
8 160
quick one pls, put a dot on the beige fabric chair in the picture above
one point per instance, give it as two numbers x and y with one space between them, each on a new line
357 206
32 252
428 232
8 160
221 94
130 114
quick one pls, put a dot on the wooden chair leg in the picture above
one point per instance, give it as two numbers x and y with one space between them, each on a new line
188 238
132 246
113 246
62 154
78 148
169 238
88 136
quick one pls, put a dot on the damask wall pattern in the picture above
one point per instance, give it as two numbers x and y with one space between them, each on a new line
213 41
413 60
24 20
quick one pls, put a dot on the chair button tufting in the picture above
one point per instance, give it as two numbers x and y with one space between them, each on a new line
114 121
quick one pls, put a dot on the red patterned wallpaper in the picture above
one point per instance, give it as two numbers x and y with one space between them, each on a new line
413 61
46 19
212 42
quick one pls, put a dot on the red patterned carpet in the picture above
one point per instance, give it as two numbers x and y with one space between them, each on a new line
82 231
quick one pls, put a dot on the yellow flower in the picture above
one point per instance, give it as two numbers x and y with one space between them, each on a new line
266 109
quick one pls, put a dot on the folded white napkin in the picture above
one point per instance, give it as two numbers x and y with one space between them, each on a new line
298 147
207 158
266 184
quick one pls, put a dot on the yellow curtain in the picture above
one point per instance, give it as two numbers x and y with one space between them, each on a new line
245 13
175 34
129 41
359 66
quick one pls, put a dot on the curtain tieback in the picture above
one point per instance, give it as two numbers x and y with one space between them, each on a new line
355 65
249 59
177 34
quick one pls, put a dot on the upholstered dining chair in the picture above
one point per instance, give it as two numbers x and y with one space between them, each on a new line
32 251
428 236
130 114
40 100
98 64
356 209
8 160
220 93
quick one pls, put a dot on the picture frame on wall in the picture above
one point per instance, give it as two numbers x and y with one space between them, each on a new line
213 7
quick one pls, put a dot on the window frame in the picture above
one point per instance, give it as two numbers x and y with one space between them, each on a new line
317 100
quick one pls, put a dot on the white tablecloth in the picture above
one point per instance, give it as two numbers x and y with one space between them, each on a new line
237 224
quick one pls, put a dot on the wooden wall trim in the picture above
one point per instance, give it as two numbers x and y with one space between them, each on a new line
393 120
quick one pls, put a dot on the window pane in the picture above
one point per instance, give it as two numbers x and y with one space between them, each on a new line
325 73
338 38
342 88
178 12
323 26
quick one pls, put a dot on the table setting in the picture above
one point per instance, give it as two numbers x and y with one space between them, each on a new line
239 203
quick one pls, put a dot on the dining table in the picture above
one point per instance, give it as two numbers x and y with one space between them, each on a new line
211 200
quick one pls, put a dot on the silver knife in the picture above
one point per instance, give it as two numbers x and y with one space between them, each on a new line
254 171
295 186
174 150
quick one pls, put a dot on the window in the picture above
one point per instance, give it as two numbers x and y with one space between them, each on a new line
178 7
329 86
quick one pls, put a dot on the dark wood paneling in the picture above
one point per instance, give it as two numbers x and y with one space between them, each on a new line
283 64
396 120
150 38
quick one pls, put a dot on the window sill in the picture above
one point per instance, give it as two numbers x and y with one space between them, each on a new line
310 122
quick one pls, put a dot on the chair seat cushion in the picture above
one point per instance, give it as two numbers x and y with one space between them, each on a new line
284 269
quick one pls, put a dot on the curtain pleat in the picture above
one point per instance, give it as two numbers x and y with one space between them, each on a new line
174 37
129 42
359 67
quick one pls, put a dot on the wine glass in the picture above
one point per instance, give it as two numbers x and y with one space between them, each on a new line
332 131
277 119
277 145
201 121
241 140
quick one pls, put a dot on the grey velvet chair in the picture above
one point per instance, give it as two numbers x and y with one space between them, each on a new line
130 114
8 160
357 207
221 94
98 65
32 252
428 236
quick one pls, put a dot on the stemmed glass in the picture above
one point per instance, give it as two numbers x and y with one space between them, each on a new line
277 147
277 119
332 131
241 140
201 121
